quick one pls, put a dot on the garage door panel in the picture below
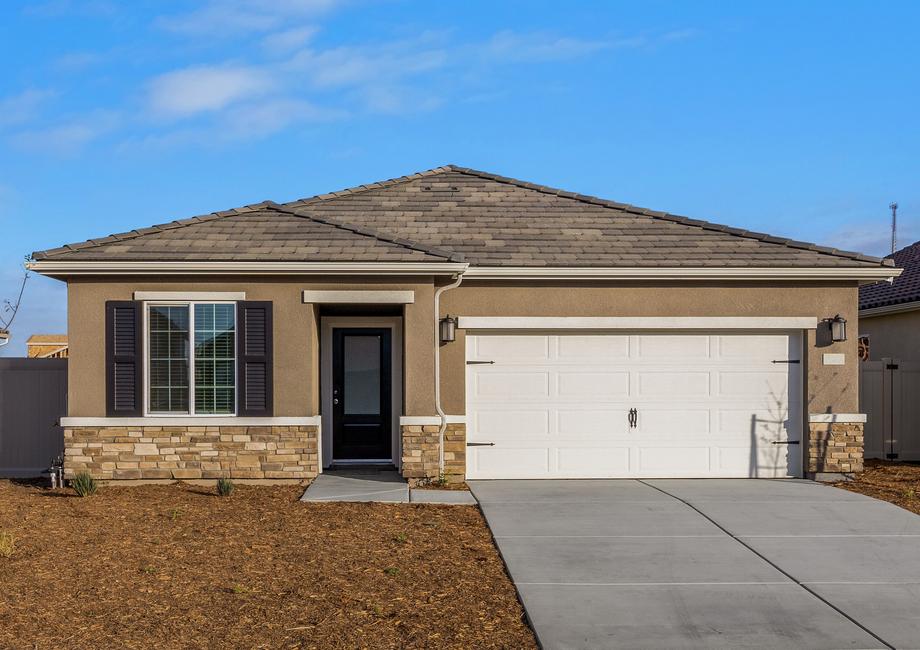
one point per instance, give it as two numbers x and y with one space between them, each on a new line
517 423
672 346
557 405
768 423
670 384
675 422
503 385
750 348
765 385
593 348
673 461
587 462
591 423
510 462
497 348
606 385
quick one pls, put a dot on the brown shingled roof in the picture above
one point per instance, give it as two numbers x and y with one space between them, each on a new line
905 288
452 214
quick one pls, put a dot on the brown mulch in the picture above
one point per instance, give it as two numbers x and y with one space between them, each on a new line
177 566
898 483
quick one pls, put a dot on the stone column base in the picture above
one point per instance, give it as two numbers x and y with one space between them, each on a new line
835 447
180 452
420 453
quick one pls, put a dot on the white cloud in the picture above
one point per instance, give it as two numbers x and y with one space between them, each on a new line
265 118
21 108
199 89
68 137
874 237
288 40
234 17
509 47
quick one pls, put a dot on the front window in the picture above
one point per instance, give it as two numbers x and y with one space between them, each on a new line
191 358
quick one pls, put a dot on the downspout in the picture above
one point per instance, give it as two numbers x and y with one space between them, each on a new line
437 367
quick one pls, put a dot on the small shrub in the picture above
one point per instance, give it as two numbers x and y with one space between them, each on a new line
84 484
240 589
175 513
910 493
401 538
391 571
224 487
149 569
7 544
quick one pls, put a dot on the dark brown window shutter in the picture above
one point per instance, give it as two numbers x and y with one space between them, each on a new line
254 358
123 363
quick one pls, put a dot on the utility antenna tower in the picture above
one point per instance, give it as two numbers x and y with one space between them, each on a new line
894 226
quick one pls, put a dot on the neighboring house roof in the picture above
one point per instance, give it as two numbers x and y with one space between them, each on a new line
458 214
904 289
44 346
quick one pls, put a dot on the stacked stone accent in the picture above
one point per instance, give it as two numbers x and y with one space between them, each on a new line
420 453
835 447
205 452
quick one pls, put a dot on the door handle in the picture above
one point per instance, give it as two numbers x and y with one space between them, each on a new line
335 400
633 418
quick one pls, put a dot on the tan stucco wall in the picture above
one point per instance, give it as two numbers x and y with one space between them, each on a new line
296 336
296 332
829 388
896 336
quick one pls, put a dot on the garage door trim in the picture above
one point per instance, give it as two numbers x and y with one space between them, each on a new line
638 322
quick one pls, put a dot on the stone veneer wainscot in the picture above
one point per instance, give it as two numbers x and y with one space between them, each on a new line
835 447
420 453
192 452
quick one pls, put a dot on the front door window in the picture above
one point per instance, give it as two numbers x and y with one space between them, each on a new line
361 394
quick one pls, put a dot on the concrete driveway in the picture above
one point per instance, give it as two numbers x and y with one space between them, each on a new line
707 563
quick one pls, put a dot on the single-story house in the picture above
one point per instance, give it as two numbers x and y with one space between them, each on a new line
455 323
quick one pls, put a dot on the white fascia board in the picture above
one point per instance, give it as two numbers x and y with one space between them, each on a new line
638 322
423 420
868 274
837 417
187 421
890 309
68 268
359 297
190 295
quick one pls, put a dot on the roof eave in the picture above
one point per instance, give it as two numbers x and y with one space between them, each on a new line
885 310
866 274
67 268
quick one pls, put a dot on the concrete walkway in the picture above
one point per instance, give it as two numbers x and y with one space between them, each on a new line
708 563
377 485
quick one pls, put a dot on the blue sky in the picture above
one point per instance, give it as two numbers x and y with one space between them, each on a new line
798 119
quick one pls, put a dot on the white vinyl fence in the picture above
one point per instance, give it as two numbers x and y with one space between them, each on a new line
33 398
889 394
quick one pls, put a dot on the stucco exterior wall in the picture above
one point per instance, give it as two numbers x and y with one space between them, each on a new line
896 336
296 335
828 388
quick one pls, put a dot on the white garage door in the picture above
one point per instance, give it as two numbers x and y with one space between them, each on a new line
566 405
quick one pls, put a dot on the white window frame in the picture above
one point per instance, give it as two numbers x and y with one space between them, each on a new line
191 361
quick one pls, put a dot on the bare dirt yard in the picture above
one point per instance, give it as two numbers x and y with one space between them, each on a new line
898 483
177 567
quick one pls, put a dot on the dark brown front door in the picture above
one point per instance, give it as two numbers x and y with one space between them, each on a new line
361 394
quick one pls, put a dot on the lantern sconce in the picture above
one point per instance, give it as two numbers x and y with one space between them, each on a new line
448 329
838 327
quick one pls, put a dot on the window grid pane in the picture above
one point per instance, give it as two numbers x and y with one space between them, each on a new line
169 359
215 356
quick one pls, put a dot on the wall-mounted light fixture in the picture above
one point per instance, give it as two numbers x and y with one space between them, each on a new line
838 327
448 329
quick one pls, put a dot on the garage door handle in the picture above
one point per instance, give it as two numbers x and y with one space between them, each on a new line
785 442
633 418
479 363
785 361
480 444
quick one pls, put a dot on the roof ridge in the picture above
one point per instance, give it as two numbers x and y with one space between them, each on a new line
377 185
137 232
666 216
449 255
